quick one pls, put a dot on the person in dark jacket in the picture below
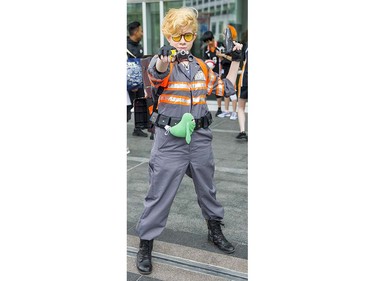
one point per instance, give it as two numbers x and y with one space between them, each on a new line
135 49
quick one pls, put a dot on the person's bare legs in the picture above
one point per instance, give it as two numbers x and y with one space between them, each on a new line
226 104
234 105
241 114
234 108
218 100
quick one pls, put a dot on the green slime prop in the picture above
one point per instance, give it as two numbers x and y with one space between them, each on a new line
184 128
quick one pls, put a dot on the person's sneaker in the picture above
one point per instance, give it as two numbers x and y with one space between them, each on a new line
139 133
218 112
233 116
152 136
242 135
224 114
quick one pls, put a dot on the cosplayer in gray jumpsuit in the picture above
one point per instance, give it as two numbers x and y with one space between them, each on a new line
171 157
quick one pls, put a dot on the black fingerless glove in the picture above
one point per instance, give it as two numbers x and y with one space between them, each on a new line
236 55
166 51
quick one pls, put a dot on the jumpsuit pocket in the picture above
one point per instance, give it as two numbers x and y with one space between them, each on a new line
162 138
168 142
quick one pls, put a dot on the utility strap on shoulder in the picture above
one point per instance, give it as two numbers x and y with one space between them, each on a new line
130 53
161 88
204 68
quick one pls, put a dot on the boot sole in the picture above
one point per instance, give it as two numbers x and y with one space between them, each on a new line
144 273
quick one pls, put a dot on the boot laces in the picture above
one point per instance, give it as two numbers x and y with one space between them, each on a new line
145 248
216 227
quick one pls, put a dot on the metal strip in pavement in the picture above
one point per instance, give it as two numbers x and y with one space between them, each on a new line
193 265
143 160
225 131
231 170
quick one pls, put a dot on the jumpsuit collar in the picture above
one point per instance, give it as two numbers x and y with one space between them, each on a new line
193 69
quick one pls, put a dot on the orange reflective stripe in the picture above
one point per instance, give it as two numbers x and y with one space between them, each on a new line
178 86
199 100
182 100
198 85
186 86
174 99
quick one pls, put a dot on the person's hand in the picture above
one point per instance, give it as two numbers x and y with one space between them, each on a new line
167 53
236 53
219 54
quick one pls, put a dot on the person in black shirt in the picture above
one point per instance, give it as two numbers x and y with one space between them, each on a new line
211 57
136 50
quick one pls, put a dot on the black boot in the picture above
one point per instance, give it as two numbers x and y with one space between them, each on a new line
216 236
139 133
144 264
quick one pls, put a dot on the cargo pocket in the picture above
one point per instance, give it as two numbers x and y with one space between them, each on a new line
162 138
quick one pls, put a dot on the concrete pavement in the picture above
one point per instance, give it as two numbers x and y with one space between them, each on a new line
182 252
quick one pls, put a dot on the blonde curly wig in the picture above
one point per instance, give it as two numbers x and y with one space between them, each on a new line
176 20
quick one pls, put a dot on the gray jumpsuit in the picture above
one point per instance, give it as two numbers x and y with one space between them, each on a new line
171 157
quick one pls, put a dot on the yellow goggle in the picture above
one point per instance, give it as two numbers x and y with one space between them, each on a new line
187 36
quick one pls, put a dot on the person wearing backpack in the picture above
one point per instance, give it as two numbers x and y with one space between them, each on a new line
135 50
182 82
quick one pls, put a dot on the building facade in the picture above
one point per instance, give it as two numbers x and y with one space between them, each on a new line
214 15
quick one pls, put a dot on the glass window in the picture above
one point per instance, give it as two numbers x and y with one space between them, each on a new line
218 11
153 28
221 27
134 13
213 15
231 8
174 4
213 27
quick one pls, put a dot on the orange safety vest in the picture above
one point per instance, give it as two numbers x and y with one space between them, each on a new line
164 83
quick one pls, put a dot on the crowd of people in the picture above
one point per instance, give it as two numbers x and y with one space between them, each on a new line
180 84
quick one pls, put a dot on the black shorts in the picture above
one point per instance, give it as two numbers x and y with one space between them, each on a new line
243 93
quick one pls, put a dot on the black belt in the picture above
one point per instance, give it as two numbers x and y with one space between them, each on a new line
161 120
